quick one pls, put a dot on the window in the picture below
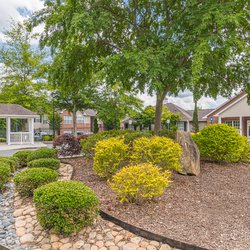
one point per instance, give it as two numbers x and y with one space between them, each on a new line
233 123
67 119
80 119
180 126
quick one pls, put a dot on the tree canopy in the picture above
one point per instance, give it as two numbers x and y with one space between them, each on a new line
23 71
155 46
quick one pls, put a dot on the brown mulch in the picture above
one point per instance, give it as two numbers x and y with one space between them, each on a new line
210 211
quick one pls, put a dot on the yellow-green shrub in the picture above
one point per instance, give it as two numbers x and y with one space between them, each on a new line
140 182
110 156
245 156
220 142
159 151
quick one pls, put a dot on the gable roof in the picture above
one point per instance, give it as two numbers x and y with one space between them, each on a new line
15 110
226 104
201 113
184 115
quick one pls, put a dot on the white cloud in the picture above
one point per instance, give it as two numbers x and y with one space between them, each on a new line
185 100
9 9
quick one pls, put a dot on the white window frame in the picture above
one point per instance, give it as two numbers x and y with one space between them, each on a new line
180 126
80 119
67 119
233 123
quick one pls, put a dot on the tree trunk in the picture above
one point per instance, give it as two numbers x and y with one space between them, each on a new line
74 121
158 109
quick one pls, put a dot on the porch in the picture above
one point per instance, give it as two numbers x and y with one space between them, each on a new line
241 122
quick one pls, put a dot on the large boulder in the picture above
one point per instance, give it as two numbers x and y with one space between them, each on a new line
190 157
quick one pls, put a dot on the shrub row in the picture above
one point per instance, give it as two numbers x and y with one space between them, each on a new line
88 144
112 154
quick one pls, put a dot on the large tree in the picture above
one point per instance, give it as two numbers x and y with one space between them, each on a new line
157 46
113 104
23 70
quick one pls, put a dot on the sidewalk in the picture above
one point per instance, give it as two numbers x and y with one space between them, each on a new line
9 150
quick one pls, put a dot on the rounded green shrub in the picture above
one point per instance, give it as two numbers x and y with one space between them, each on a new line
45 163
30 179
220 142
245 156
160 151
110 156
12 162
21 157
4 174
65 206
139 183
42 153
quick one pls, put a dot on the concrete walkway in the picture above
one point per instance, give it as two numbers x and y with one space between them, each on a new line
9 150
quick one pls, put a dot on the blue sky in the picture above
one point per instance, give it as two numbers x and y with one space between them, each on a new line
18 9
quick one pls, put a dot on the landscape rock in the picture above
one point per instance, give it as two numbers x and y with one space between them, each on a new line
190 157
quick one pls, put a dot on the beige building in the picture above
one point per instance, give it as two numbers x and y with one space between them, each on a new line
235 112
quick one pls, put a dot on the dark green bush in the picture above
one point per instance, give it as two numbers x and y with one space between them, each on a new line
11 162
88 144
169 133
130 137
2 139
30 179
4 174
220 142
45 163
42 153
21 157
65 206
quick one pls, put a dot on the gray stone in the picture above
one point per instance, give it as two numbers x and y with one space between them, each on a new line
190 157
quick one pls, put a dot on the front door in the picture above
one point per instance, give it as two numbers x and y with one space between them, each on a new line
248 129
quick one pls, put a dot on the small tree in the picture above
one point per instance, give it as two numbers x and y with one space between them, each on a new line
195 118
96 127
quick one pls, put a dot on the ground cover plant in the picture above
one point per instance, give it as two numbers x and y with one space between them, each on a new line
140 182
110 156
42 153
220 142
4 174
65 206
30 179
45 163
159 151
22 157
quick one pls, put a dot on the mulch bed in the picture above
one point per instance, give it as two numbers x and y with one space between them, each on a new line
210 211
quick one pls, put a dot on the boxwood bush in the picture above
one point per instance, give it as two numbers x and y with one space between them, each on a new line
65 206
220 142
4 174
42 153
45 163
159 151
12 162
110 156
139 183
30 179
22 157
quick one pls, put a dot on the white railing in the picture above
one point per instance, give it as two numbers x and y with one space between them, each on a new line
21 138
